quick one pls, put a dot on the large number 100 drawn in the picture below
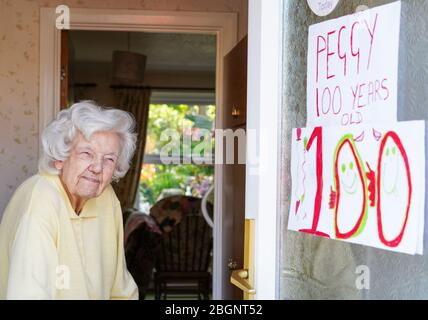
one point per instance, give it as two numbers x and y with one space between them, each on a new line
356 187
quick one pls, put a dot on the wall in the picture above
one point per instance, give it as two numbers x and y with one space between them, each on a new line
100 74
19 73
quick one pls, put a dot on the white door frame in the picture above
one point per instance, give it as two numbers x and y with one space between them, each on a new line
263 119
223 25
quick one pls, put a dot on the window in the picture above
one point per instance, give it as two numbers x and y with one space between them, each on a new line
176 160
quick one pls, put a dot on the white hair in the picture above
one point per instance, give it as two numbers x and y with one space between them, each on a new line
86 117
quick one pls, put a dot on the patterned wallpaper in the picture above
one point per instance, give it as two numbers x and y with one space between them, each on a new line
19 73
313 267
18 94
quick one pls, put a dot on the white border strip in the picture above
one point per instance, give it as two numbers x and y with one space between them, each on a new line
264 92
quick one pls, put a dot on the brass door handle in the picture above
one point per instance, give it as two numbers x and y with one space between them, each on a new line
239 279
235 112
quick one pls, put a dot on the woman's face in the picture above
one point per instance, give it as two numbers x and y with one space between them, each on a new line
90 166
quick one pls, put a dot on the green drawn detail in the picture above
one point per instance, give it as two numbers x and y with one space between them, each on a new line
350 137
352 186
305 142
351 167
394 188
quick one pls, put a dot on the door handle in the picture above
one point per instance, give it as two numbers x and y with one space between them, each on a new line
235 112
239 279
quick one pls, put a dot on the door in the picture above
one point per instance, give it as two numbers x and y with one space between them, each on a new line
64 70
234 118
317 268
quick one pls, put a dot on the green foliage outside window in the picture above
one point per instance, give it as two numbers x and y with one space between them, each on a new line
158 180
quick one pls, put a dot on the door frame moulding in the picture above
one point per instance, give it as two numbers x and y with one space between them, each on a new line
222 24
262 190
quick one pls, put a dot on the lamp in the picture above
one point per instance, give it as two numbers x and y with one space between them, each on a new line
128 67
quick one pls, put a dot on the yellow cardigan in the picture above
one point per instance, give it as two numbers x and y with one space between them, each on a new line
47 251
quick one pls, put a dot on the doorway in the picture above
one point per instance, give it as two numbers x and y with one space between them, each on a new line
175 73
222 25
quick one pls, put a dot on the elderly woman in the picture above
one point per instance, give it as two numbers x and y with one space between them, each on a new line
61 236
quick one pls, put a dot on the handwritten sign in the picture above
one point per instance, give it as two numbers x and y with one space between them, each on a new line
363 184
352 68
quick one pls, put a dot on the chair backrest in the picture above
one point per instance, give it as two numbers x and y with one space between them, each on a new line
187 239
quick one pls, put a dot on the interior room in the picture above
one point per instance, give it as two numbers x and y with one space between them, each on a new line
172 75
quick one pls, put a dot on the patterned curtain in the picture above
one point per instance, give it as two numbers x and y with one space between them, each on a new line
135 101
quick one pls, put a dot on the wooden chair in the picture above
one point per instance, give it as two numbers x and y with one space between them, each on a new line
142 240
184 257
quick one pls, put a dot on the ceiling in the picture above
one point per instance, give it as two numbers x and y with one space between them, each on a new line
164 51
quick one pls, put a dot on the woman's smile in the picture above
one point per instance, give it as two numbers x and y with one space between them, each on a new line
93 180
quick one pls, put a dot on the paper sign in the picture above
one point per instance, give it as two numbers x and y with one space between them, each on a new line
352 68
363 184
